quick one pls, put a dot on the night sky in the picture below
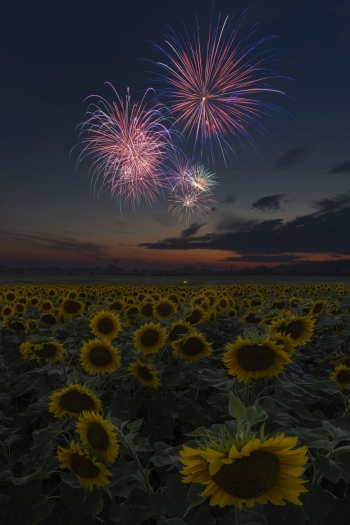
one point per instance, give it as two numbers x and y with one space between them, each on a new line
289 202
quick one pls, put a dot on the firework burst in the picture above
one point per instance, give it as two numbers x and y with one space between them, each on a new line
190 185
129 143
186 203
211 91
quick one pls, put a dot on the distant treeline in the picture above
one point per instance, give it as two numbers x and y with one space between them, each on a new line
340 267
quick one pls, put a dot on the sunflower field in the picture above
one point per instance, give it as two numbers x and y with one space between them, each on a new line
175 405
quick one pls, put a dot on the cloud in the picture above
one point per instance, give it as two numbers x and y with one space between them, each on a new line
56 243
328 205
262 258
229 199
192 230
232 222
323 231
269 203
294 157
340 168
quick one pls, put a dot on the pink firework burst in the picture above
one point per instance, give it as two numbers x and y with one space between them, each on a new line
129 143
212 88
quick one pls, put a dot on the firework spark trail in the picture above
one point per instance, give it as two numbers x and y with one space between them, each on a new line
129 144
201 179
208 91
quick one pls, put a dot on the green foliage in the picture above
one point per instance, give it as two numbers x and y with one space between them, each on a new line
197 404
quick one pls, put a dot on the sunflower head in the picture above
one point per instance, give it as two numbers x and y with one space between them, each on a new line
105 324
341 374
145 374
149 338
192 347
99 357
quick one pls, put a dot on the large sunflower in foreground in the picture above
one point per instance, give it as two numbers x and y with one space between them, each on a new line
145 374
299 328
259 472
105 324
88 471
149 338
73 400
253 359
178 329
192 347
99 357
98 434
341 374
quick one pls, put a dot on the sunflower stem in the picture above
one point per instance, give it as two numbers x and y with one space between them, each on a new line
247 393
238 516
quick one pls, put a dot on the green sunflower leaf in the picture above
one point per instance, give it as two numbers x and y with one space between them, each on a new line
236 408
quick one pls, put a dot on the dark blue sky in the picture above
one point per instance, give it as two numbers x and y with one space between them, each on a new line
292 201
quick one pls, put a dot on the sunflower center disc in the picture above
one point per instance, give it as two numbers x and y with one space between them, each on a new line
150 338
97 436
71 307
251 318
249 477
105 325
318 308
164 309
116 305
177 330
48 350
17 325
194 317
100 356
75 401
147 310
144 373
192 346
133 310
255 357
48 319
295 328
343 376
82 466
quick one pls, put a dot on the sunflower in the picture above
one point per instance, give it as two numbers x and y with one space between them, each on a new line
177 329
192 347
149 338
16 323
48 319
7 311
73 400
146 309
231 313
42 348
299 328
164 308
46 306
145 374
68 307
258 472
253 359
286 341
99 356
88 471
98 434
105 324
342 376
197 315
251 318
116 305
10 297
20 308
131 313
317 308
